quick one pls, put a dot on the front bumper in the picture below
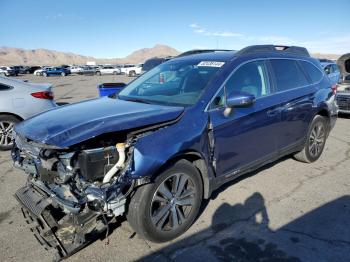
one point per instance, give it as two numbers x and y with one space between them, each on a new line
66 234
343 102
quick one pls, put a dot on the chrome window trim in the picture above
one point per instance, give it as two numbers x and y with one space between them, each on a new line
207 108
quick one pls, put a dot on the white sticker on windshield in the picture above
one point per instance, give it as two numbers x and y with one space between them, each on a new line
211 64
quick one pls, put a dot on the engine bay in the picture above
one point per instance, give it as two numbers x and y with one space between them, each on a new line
73 194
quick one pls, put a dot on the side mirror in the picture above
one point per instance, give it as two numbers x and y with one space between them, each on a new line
240 100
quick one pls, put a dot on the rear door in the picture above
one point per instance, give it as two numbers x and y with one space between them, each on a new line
293 90
247 136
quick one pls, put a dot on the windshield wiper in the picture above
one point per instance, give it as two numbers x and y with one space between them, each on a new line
134 99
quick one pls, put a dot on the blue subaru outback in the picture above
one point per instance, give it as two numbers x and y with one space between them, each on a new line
167 141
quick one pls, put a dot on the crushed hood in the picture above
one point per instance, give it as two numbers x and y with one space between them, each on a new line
72 124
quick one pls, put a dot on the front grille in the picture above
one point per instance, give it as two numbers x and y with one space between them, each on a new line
31 199
343 102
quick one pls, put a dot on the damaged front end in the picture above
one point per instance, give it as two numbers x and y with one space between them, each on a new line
72 194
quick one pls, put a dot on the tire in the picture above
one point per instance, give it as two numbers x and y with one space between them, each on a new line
6 126
132 73
315 140
145 209
115 73
45 74
63 74
98 73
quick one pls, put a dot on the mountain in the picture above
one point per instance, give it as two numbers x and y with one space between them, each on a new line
145 53
19 56
326 56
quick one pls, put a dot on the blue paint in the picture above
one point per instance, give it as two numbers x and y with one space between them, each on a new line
228 144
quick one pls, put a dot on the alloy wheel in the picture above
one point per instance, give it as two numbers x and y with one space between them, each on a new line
172 202
317 139
6 129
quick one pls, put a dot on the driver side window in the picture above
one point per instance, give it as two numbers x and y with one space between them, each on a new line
250 78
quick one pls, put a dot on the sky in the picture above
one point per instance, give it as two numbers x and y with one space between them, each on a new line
109 29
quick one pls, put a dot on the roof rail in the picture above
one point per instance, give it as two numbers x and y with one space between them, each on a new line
200 51
295 50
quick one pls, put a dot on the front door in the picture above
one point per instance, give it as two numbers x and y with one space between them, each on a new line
246 136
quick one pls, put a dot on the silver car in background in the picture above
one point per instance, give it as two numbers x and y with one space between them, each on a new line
20 100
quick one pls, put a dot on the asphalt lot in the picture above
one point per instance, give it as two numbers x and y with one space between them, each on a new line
287 211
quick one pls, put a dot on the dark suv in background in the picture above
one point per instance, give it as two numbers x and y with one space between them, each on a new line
167 141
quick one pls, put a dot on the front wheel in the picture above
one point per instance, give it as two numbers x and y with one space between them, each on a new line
7 123
315 141
166 208
45 74
63 74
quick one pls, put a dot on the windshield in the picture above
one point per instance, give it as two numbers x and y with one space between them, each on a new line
172 83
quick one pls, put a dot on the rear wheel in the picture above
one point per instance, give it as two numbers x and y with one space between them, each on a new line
63 74
45 74
98 73
165 209
315 141
7 123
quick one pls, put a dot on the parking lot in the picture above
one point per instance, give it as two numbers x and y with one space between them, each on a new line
287 211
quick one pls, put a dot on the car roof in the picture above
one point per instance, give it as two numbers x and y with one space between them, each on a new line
18 83
254 50
211 56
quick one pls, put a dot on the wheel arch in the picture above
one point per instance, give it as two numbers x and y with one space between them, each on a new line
325 113
198 161
11 114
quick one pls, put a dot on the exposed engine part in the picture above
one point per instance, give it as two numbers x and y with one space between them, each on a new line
70 194
120 164
95 163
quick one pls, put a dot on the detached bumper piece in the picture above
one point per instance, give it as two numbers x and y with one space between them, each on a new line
54 229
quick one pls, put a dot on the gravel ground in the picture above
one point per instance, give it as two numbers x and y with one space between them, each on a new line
287 211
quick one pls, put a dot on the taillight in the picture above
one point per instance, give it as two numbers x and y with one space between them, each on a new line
43 95
334 89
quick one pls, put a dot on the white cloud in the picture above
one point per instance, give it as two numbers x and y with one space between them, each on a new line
194 25
322 42
66 17
204 31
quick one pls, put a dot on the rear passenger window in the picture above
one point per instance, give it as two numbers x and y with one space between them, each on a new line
287 74
4 87
314 73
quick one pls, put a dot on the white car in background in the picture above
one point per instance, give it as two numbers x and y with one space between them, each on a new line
132 70
75 69
39 71
7 71
20 100
108 70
